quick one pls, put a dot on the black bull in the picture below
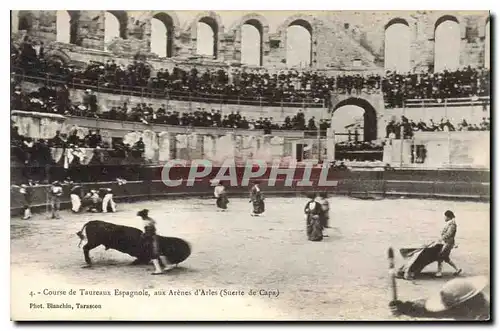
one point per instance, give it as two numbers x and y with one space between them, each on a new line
129 240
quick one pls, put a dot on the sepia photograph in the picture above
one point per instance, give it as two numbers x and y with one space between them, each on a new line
250 165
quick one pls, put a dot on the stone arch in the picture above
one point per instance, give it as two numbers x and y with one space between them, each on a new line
214 21
447 53
171 22
251 17
305 21
481 26
369 117
395 57
261 24
396 20
173 16
122 17
73 23
206 14
448 17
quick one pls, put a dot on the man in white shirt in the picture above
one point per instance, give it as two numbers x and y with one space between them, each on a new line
220 194
150 234
55 193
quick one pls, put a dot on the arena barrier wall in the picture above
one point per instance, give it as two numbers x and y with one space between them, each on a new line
464 185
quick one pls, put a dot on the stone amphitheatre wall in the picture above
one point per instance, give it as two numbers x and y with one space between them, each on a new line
337 38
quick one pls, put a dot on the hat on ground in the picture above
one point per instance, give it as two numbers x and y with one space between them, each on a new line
449 214
455 292
143 213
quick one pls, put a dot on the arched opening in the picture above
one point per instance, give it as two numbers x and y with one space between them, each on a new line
207 37
355 113
63 26
487 45
115 26
397 46
347 122
162 35
299 44
447 44
25 21
251 43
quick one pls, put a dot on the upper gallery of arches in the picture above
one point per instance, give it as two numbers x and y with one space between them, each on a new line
208 17
168 18
337 39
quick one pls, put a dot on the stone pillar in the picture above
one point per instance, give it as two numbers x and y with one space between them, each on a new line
330 145
200 146
266 45
236 42
91 29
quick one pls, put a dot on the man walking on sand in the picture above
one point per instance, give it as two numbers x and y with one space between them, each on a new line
150 235
448 240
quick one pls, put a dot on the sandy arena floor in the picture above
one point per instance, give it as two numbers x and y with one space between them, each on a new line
345 277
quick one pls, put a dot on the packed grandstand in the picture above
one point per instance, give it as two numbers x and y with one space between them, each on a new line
53 83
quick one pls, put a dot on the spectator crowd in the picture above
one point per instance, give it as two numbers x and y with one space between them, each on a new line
56 101
220 86
393 128
461 83
38 153
257 86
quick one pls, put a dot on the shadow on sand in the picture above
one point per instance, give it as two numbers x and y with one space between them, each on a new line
429 275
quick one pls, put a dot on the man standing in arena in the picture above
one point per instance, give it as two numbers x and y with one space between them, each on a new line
448 240
325 206
55 193
27 191
107 199
257 200
313 213
150 235
75 194
220 194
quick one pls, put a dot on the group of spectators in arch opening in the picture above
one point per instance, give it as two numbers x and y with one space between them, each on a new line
251 86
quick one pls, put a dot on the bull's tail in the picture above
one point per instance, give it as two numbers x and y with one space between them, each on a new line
81 235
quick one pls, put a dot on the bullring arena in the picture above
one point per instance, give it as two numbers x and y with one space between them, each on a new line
345 277
104 99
